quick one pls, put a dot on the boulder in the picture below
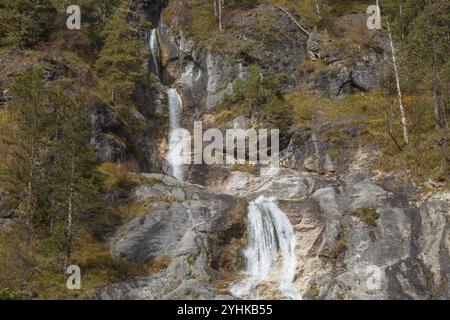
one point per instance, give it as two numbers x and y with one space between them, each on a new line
199 233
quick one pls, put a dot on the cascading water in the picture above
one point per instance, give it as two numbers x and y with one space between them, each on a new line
174 158
270 252
154 50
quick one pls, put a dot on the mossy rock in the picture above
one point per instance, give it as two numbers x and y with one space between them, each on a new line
367 215
340 245
312 292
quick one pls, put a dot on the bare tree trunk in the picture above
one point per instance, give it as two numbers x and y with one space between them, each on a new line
218 7
70 211
399 91
293 19
220 14
445 101
390 131
401 14
30 184
436 95
129 5
318 8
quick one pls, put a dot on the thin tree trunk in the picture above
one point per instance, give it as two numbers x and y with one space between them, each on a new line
390 131
293 19
318 8
436 95
445 101
70 210
220 14
30 184
399 90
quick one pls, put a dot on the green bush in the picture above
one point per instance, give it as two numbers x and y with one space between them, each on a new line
26 22
7 294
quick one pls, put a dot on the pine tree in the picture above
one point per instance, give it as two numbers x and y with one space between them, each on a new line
48 174
26 22
72 174
24 137
25 140
119 64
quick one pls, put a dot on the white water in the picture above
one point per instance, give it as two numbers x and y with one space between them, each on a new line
174 157
154 50
270 255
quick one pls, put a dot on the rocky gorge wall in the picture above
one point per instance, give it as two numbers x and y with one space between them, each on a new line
360 233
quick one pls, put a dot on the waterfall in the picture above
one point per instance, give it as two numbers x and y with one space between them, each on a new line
154 50
270 255
174 158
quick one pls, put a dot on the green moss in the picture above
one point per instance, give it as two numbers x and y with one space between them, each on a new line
335 136
118 179
367 215
245 168
240 261
340 246
191 259
132 210
313 291
213 238
7 294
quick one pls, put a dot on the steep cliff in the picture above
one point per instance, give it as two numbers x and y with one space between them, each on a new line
360 233
367 216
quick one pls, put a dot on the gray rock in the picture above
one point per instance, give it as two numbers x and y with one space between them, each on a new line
346 74
7 215
191 227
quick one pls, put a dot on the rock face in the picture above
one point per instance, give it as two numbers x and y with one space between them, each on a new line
347 69
360 233
204 76
320 149
195 231
359 238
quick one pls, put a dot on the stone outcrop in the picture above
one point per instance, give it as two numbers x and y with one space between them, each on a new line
357 237
196 231
347 68
361 233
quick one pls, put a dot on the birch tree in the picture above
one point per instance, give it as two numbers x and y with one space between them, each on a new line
218 8
423 26
399 90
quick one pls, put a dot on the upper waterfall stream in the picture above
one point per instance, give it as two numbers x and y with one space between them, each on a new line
154 50
270 253
174 157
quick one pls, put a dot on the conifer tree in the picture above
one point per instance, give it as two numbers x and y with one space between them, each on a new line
72 174
119 64
26 22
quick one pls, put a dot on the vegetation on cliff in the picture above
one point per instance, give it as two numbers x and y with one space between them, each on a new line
67 202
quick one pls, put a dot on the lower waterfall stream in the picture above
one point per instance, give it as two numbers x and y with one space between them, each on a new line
270 253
